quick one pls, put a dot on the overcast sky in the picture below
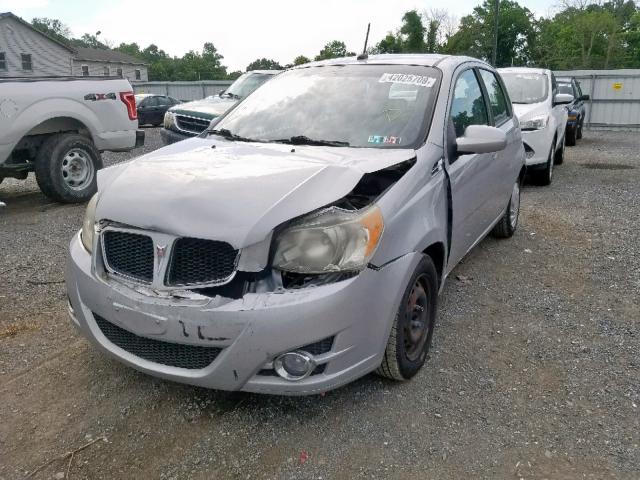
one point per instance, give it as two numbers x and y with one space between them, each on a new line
241 30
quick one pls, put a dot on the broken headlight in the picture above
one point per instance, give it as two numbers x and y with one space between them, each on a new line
89 224
331 240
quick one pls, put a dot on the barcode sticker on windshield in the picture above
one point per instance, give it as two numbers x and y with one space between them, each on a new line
405 79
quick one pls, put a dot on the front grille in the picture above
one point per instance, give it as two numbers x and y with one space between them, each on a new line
192 124
165 353
129 254
195 261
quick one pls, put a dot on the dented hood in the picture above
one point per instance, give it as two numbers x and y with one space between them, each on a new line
232 191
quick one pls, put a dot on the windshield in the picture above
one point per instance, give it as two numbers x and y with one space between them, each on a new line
381 106
245 84
565 88
526 87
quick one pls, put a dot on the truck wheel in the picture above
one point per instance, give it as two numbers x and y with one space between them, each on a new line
66 167
507 225
412 329
570 138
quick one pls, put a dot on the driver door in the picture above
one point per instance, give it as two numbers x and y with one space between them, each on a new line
470 174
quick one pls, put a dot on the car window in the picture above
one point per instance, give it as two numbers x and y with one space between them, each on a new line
526 87
163 101
151 102
497 98
565 88
370 106
468 106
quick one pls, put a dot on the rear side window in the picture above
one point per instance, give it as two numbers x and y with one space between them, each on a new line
3 61
497 99
468 106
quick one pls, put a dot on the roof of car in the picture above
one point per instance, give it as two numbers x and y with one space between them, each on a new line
266 72
540 71
422 59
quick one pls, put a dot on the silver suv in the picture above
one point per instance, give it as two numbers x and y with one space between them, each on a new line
303 241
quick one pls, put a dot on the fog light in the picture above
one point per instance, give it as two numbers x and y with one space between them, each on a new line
294 366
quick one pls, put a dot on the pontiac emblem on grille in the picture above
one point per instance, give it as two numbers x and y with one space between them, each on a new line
160 251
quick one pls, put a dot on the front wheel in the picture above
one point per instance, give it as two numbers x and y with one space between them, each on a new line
545 176
507 225
66 167
413 325
570 139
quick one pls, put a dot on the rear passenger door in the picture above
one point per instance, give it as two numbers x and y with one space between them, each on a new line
504 165
470 175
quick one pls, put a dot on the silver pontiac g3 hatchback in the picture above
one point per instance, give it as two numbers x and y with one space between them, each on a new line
301 242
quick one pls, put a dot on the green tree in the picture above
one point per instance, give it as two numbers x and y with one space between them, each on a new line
233 75
413 31
301 60
264 64
516 34
89 41
53 27
389 44
334 49
132 49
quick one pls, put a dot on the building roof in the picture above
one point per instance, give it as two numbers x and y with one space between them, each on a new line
102 55
28 25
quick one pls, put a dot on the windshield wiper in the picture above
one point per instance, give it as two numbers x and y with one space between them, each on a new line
226 133
304 140
231 95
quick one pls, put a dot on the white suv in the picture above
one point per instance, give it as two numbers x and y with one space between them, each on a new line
543 117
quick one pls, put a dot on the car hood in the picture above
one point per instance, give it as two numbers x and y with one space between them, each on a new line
527 111
232 191
207 108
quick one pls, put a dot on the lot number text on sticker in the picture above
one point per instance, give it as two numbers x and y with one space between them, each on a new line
405 79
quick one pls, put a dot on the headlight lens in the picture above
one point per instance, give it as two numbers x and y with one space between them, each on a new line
169 120
89 224
537 123
332 240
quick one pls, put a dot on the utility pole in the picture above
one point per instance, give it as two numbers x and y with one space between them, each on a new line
495 34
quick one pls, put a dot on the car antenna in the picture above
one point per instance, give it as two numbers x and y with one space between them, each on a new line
364 55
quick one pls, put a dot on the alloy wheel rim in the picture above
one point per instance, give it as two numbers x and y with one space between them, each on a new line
416 320
514 205
77 169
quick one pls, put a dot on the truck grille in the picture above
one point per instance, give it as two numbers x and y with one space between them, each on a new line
193 357
192 124
195 261
129 254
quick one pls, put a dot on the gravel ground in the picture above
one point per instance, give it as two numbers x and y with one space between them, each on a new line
534 372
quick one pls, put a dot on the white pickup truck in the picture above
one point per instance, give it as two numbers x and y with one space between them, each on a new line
58 126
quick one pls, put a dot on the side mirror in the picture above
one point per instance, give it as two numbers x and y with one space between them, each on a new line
481 139
585 98
563 99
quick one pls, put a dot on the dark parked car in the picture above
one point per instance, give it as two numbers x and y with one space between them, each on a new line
577 110
151 108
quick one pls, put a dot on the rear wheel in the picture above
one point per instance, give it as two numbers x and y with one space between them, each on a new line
66 167
412 329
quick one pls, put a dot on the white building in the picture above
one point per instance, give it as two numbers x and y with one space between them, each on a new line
26 52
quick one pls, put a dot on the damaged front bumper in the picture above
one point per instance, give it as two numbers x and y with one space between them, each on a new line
346 324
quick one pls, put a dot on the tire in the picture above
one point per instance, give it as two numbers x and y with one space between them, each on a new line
570 138
558 158
66 167
508 224
404 356
545 177
579 132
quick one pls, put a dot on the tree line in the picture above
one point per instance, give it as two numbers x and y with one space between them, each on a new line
583 34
